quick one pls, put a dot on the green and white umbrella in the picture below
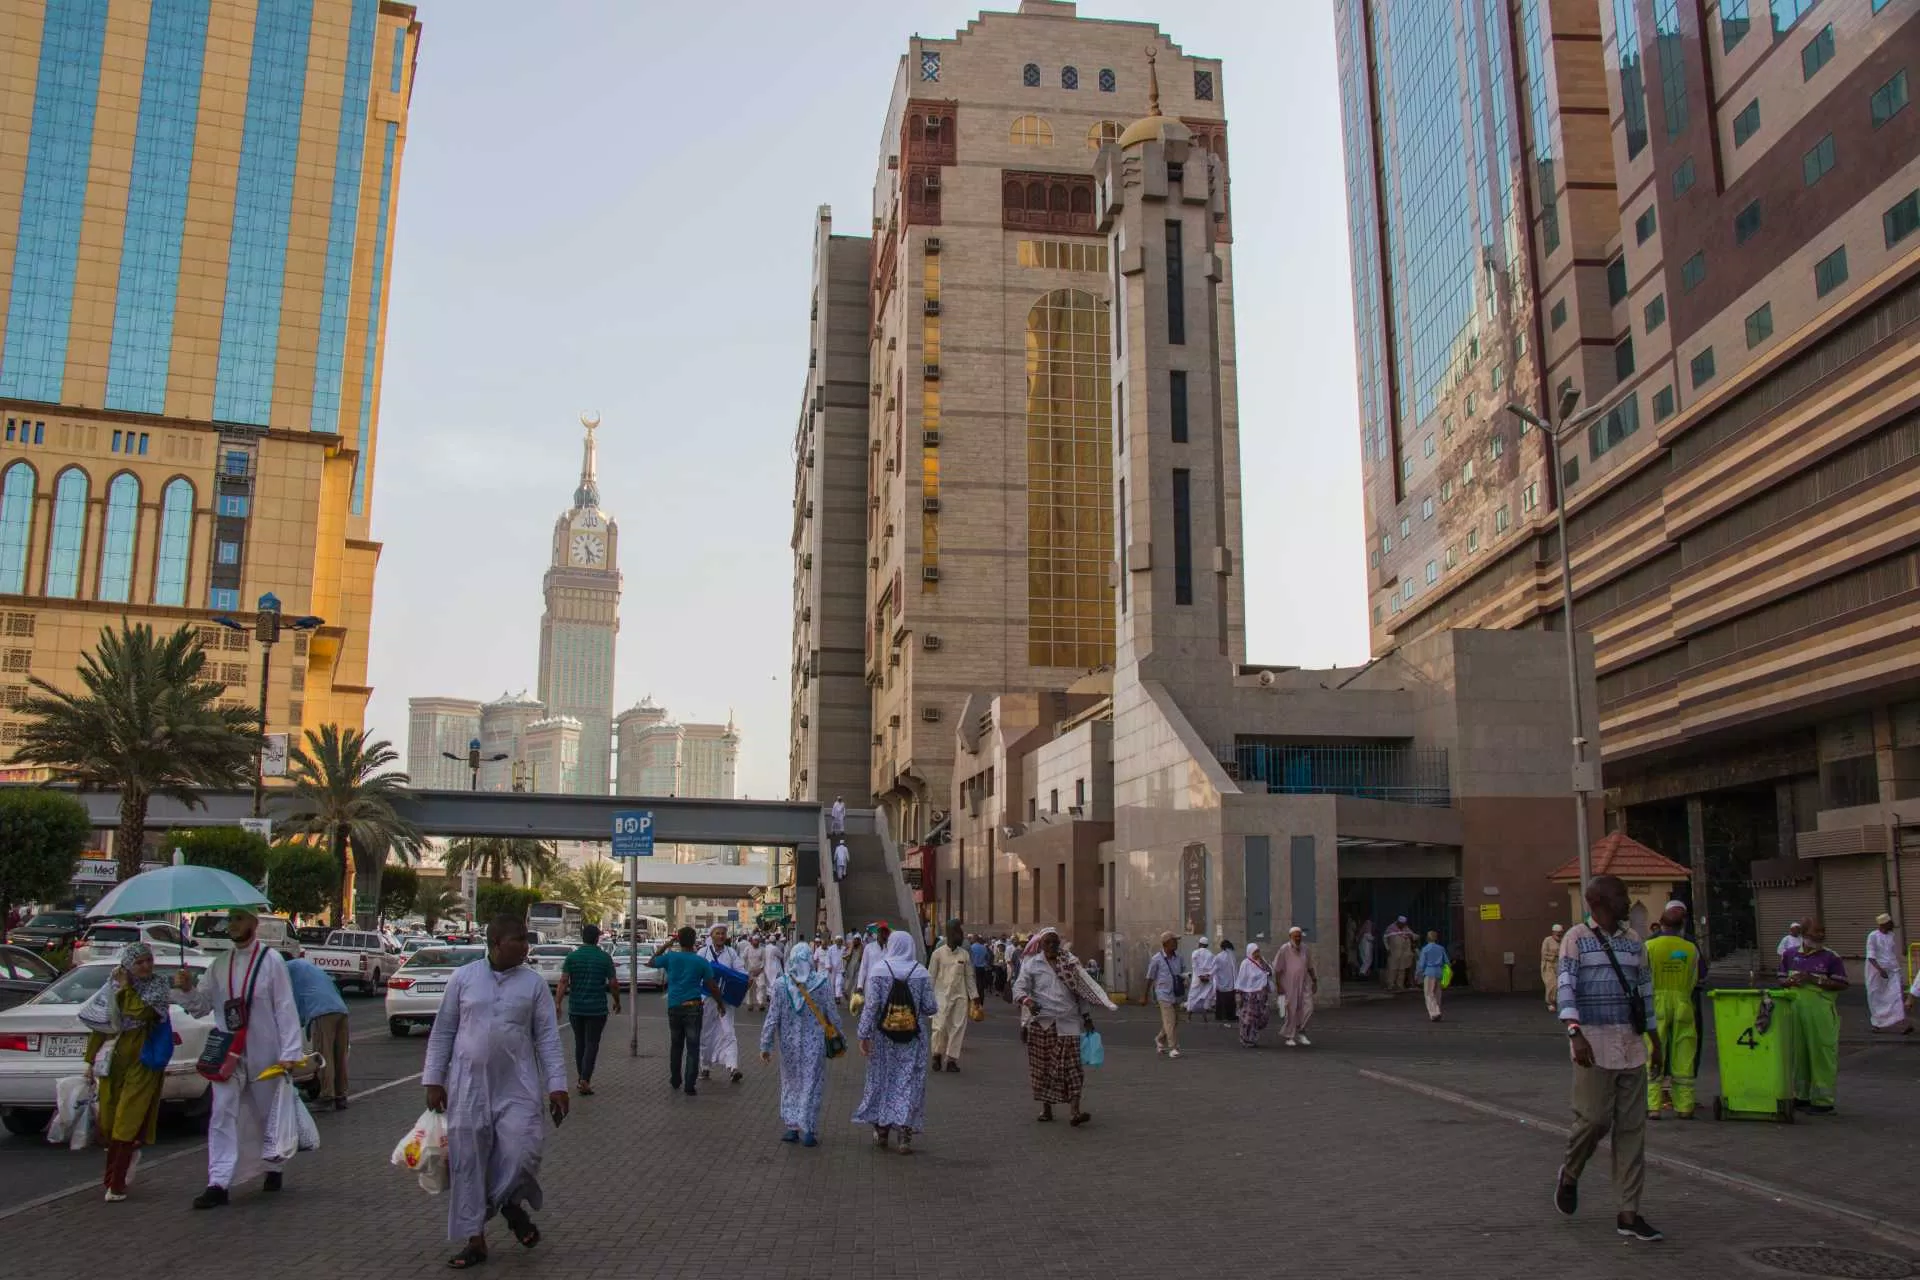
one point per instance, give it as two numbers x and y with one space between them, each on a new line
173 891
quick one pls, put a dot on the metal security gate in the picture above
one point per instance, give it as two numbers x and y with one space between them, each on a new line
1259 882
1777 904
1853 890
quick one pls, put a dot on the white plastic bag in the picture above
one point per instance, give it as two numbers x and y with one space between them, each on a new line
82 1135
283 1122
424 1151
308 1130
67 1093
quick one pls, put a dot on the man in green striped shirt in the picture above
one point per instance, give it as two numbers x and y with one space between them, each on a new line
587 981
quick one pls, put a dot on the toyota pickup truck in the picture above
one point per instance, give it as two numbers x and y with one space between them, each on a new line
354 958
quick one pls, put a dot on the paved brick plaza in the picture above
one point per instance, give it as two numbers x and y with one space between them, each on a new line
1310 1169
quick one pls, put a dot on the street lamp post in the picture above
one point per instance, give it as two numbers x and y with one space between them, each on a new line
473 760
267 622
1583 776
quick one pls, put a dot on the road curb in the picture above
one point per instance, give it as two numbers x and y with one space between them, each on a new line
1892 1232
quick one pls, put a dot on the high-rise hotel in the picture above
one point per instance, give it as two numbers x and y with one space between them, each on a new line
1701 217
197 204
989 469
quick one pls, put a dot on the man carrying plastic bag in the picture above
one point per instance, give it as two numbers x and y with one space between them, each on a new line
290 1126
495 1049
424 1152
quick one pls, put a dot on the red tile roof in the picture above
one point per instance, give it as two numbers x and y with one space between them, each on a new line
1618 855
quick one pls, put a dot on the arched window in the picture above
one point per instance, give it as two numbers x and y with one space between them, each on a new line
116 539
69 533
1103 132
176 543
1030 75
1083 200
1108 81
16 527
1057 198
1036 197
1030 131
1010 194
1069 78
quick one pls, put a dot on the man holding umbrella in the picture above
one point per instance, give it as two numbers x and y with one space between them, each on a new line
248 993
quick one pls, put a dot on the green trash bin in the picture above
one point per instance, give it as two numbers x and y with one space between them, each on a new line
1755 1054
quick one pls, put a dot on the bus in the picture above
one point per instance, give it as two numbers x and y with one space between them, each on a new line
555 921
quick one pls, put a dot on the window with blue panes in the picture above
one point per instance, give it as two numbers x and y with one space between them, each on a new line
1787 14
53 200
237 462
227 553
176 543
374 312
344 217
1108 81
262 206
1735 19
163 139
117 536
1633 73
233 504
1667 39
222 598
16 526
398 68
68 535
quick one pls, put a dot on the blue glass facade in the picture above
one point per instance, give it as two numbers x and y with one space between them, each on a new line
263 204
16 526
399 67
374 313
53 201
1669 43
344 220
116 539
69 534
176 543
157 207
1633 81
1356 117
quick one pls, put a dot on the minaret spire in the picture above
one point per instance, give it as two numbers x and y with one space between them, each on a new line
588 494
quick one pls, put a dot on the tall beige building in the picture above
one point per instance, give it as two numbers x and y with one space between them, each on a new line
990 536
436 727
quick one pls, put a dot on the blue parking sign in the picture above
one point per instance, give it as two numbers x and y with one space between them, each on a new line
633 833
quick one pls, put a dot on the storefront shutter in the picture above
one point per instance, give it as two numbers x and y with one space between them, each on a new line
1853 890
1777 905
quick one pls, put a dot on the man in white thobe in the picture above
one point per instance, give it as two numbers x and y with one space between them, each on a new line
1883 978
840 860
719 1047
837 817
245 987
776 959
495 1068
758 981
1200 982
1790 944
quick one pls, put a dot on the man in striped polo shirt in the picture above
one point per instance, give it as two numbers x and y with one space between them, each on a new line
1606 1003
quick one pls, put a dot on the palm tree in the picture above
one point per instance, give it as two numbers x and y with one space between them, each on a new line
436 901
597 888
494 855
146 721
343 790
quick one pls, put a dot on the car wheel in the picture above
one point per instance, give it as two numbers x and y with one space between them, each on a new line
400 1028
25 1122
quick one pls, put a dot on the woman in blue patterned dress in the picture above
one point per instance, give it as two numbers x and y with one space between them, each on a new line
793 1021
896 1094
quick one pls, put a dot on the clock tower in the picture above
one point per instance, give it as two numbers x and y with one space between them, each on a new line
582 590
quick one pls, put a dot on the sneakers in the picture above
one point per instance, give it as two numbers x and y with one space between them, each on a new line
1303 1040
1290 1042
1566 1195
211 1198
114 1197
1173 1053
1638 1228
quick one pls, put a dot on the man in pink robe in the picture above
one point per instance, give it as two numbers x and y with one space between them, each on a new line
1293 971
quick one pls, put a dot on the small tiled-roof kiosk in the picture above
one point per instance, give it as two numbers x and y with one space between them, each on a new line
1652 879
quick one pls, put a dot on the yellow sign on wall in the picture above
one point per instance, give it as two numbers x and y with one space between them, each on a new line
1489 911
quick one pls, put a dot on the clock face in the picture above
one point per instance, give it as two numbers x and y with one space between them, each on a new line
589 549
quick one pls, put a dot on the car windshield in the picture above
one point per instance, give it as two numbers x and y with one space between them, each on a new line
443 957
112 933
56 920
76 985
550 952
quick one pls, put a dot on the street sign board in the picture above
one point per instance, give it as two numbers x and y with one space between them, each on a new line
633 833
262 827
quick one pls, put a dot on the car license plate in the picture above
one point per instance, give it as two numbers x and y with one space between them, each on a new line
431 988
63 1046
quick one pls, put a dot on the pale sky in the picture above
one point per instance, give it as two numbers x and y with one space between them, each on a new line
609 205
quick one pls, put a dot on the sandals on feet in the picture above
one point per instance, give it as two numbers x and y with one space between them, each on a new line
1080 1118
521 1225
467 1257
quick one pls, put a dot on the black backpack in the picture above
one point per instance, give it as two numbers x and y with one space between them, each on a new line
900 1020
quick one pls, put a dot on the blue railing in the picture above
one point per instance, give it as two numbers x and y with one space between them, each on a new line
1408 775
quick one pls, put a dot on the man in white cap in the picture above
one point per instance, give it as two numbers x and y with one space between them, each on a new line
1200 982
246 987
1293 972
719 1047
1550 967
1883 978
1399 939
1791 942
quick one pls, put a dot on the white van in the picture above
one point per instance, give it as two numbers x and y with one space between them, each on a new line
209 933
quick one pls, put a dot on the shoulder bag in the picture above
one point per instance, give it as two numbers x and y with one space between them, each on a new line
836 1043
1636 1009
225 1051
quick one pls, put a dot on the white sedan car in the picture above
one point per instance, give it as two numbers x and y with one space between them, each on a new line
415 990
42 1041
646 978
103 941
546 959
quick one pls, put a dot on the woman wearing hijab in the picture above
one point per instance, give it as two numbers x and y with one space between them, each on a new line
131 1004
1253 989
799 1003
1056 999
896 1092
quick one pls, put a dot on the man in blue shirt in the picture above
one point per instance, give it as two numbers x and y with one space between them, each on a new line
977 952
689 981
317 1002
1432 968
